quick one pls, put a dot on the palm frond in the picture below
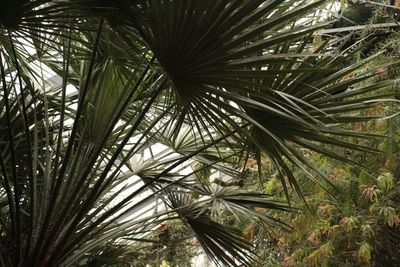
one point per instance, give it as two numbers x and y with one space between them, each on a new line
227 246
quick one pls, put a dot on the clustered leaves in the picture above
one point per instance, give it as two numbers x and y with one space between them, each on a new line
360 228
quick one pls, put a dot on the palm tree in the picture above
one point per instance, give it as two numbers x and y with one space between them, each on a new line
107 106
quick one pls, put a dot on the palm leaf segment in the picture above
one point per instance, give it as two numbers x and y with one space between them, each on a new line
225 245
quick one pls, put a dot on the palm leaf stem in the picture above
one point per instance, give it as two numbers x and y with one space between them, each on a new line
29 159
41 240
10 137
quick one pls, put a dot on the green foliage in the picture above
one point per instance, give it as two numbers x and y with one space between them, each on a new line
172 243
360 226
217 86
352 231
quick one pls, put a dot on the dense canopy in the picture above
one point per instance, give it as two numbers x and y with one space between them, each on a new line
115 114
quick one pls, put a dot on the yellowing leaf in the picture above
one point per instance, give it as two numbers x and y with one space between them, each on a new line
367 230
385 181
326 210
349 223
364 252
